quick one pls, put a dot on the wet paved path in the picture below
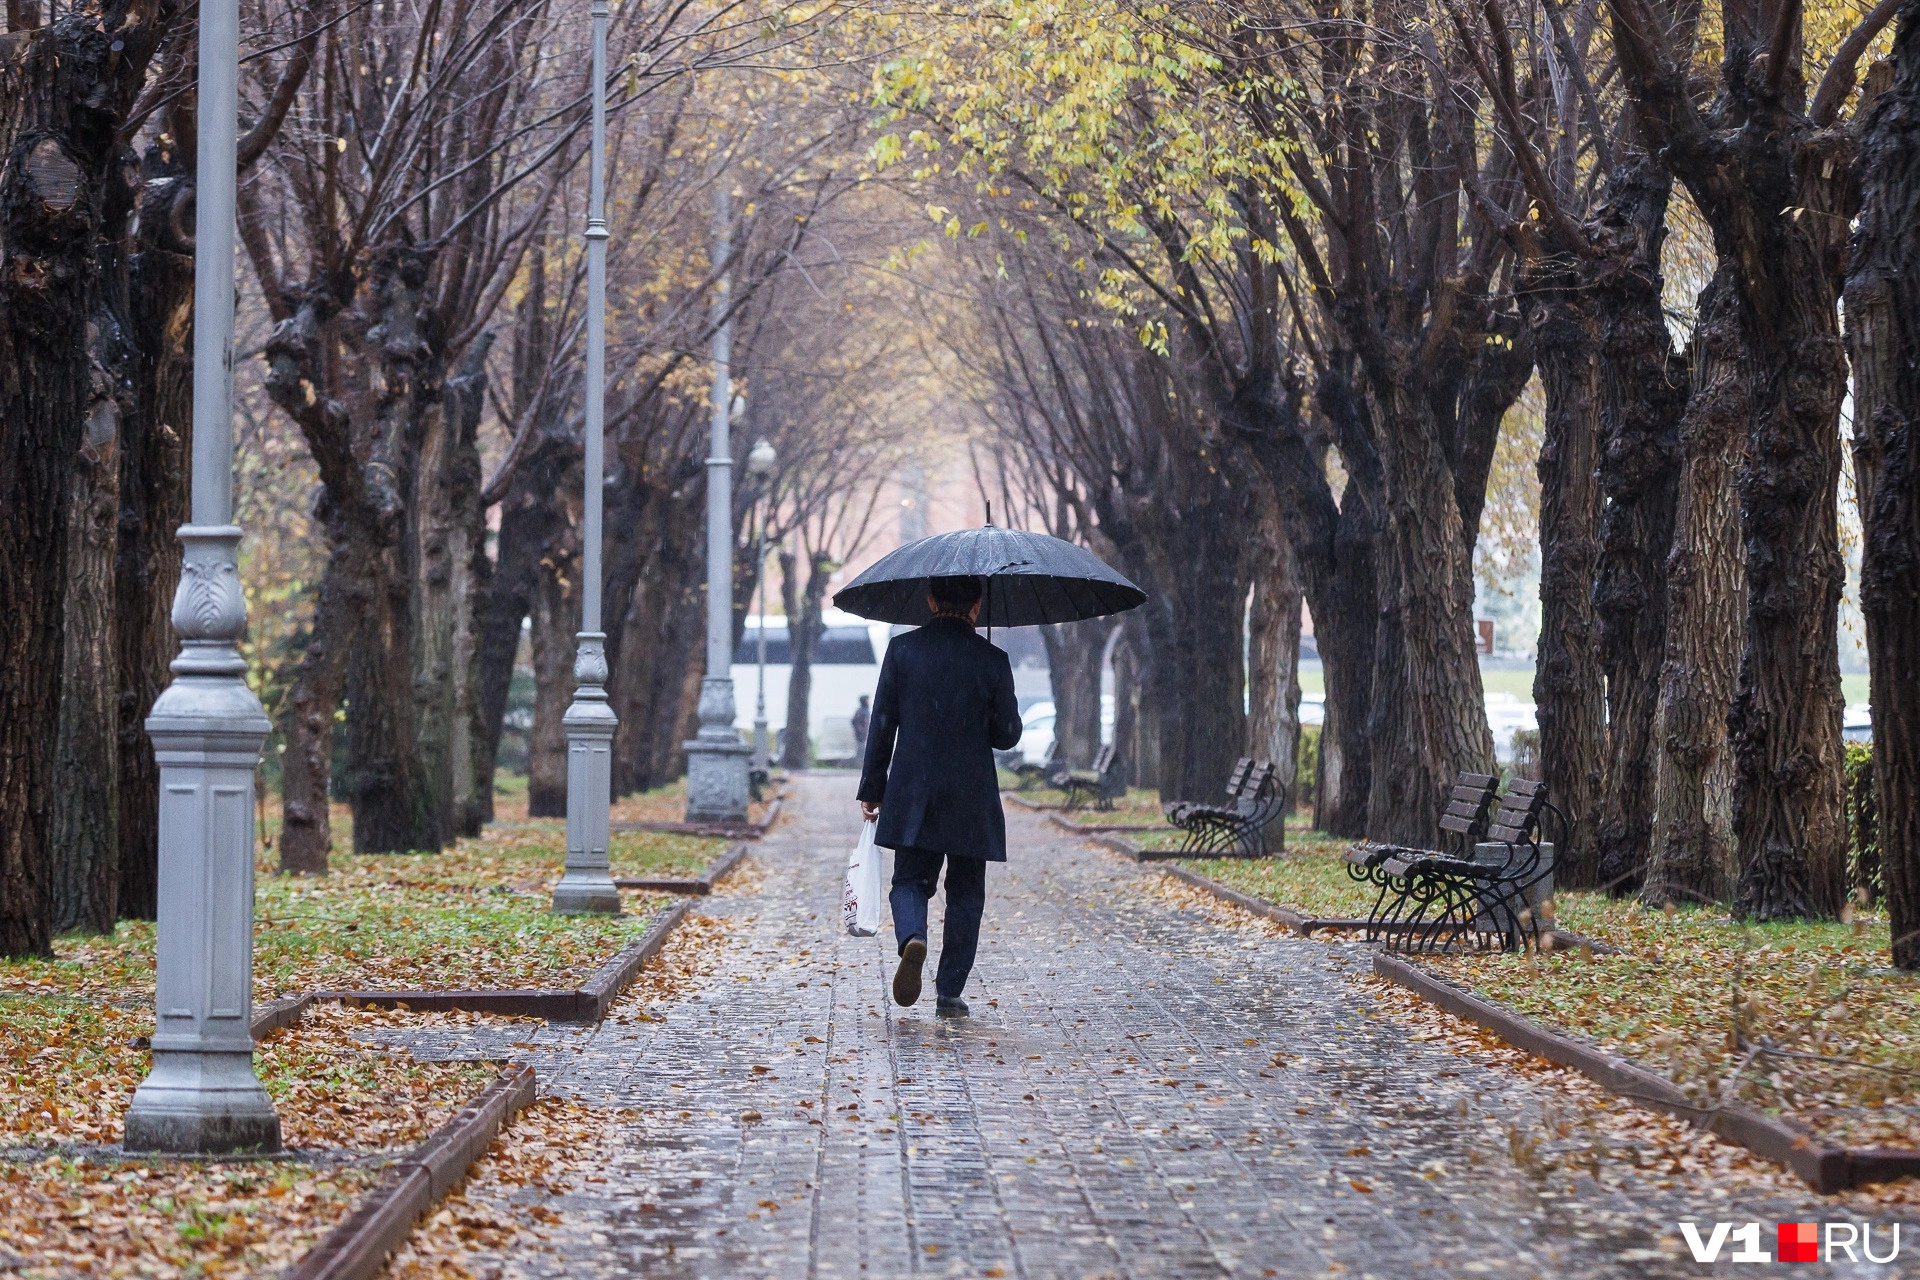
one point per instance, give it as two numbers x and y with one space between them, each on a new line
1141 1092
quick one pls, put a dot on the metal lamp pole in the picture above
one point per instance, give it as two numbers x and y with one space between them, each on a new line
207 727
716 758
760 462
587 886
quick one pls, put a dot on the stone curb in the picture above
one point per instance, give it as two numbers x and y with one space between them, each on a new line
1821 1165
358 1248
587 1003
736 831
700 886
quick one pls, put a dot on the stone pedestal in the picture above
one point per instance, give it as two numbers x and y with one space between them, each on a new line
587 887
207 729
717 760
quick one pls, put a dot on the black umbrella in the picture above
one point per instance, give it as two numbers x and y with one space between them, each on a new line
1030 578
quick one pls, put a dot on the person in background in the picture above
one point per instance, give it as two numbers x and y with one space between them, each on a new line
862 718
944 704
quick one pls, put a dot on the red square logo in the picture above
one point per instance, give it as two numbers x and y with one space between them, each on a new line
1799 1242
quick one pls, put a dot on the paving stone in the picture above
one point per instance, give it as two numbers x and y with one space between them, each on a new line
1114 1107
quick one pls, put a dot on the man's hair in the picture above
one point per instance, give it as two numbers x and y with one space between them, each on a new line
957 594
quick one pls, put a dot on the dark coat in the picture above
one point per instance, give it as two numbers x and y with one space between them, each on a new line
946 696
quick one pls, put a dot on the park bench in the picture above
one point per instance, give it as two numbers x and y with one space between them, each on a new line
1032 775
1099 784
1490 896
1463 824
1254 802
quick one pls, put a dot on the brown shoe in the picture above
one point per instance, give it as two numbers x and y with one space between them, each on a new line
906 979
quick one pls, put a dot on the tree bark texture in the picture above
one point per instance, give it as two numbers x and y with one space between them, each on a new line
1568 688
656 575
1692 857
1789 800
1883 338
392 784
85 878
1333 542
1774 184
312 718
448 521
156 442
1074 653
804 604
556 624
1430 709
1273 667
64 90
1128 679
1643 396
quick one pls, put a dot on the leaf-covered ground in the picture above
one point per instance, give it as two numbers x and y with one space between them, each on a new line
73 1047
1808 1020
72 1205
669 804
1138 808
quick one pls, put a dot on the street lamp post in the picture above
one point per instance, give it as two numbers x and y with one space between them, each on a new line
716 758
587 886
207 726
760 463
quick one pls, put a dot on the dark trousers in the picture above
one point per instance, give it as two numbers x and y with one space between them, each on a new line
916 873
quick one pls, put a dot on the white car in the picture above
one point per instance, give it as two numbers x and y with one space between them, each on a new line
1036 735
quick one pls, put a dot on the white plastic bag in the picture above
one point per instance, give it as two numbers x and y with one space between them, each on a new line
861 907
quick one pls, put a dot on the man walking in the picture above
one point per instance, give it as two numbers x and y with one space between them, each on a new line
862 718
944 705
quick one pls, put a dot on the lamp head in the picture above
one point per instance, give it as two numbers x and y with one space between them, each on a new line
760 458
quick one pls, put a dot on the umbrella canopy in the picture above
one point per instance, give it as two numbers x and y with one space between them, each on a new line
1030 578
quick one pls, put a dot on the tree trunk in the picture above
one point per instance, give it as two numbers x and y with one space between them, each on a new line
804 631
1643 396
1273 668
156 442
1203 729
448 520
397 803
1692 853
1074 652
63 93
1127 676
556 623
313 704
1789 799
1430 708
1332 542
85 879
1883 276
1567 684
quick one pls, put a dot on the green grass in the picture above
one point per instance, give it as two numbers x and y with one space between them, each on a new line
1309 876
474 916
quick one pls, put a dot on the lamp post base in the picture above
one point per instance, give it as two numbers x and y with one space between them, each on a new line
587 888
201 1103
717 759
717 780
